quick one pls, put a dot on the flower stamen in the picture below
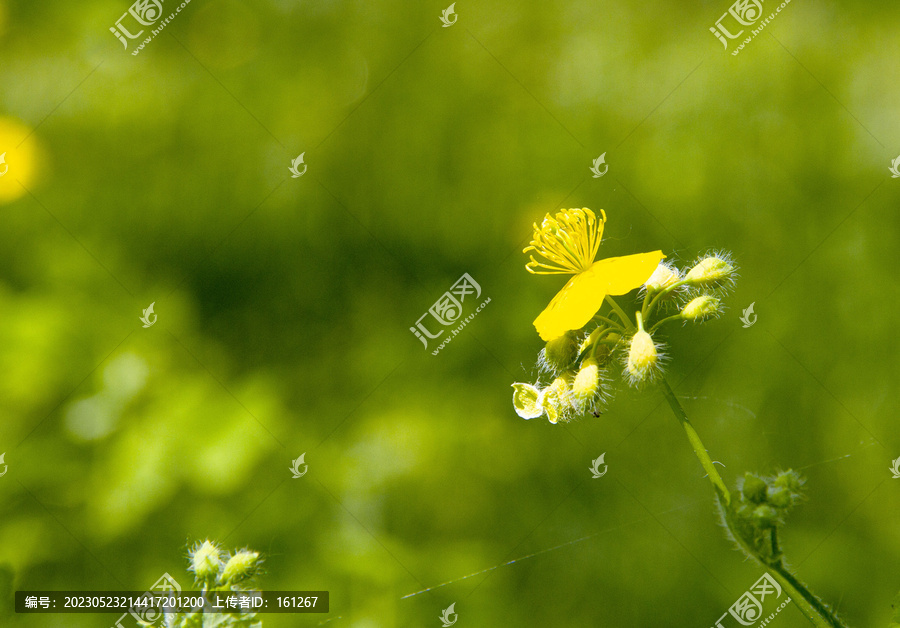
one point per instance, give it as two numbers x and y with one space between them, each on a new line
569 241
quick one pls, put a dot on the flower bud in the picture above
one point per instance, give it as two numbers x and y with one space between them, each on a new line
642 357
780 497
765 516
789 479
559 353
709 270
754 489
587 387
526 401
700 308
240 566
206 559
663 277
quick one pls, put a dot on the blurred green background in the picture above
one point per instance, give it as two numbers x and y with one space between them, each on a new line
285 304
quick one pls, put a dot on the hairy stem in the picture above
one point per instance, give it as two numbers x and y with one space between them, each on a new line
811 606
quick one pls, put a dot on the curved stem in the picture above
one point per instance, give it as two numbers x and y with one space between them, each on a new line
674 317
621 313
811 606
609 322
659 295
696 443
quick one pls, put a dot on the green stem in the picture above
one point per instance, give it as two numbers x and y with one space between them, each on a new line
609 322
696 443
813 608
647 310
621 313
674 317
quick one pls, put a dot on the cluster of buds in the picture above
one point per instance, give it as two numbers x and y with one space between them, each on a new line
760 509
214 568
578 380
577 368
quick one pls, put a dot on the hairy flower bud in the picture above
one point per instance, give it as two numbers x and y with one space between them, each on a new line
587 388
559 353
709 270
206 559
240 566
700 308
765 516
780 497
754 488
663 277
643 357
789 479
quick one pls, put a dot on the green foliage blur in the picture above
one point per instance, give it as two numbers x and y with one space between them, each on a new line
284 304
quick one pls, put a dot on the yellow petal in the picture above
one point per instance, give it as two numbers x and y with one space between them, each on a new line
621 275
525 401
583 295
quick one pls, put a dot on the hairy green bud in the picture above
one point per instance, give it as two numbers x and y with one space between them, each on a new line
754 489
560 353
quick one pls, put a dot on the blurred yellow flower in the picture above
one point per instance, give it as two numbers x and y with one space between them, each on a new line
18 159
569 242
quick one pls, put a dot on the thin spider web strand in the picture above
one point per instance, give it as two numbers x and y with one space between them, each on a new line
545 551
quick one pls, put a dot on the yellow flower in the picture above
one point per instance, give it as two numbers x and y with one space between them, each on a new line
18 159
569 242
